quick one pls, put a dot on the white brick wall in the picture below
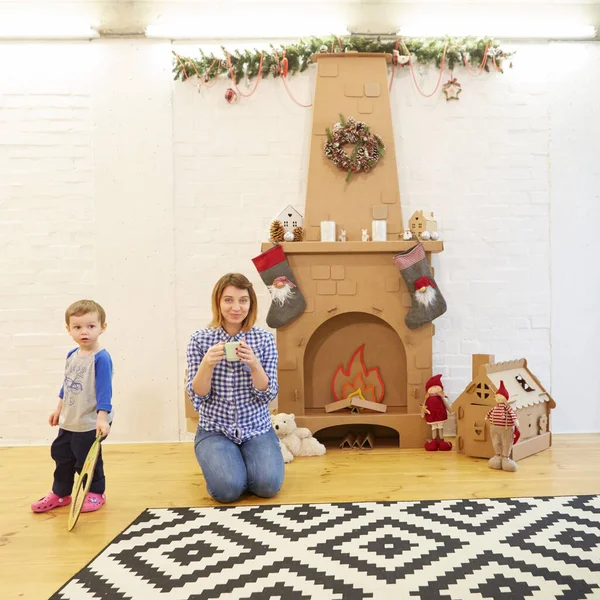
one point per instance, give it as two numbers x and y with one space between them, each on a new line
479 163
133 176
47 227
86 210
122 185
575 248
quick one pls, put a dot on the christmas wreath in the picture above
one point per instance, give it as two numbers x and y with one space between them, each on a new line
368 147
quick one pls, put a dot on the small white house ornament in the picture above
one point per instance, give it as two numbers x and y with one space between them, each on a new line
290 218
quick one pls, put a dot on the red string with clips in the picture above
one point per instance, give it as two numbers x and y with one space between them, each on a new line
283 71
394 65
339 44
412 70
479 70
258 76
202 80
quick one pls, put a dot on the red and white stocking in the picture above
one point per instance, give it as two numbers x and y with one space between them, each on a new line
287 301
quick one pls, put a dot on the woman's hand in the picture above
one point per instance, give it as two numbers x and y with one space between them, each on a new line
214 355
246 355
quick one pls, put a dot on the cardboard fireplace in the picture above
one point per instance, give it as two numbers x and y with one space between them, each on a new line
351 345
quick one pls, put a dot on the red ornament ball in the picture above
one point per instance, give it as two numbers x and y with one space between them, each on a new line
231 96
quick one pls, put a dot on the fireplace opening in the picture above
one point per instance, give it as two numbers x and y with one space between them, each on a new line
355 355
380 436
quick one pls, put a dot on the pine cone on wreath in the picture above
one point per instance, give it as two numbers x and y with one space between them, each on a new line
298 234
276 232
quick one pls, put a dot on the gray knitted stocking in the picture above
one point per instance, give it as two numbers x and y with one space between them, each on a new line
427 302
287 301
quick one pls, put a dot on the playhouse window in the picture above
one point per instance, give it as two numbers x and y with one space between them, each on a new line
523 383
485 394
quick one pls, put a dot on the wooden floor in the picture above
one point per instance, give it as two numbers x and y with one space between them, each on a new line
38 554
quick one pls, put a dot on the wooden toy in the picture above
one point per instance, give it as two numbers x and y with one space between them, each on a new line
82 483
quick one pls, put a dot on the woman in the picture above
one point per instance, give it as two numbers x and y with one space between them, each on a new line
235 444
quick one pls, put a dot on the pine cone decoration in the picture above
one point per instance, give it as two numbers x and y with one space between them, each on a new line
277 231
298 234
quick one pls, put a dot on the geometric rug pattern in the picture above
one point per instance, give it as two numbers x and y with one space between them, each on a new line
498 549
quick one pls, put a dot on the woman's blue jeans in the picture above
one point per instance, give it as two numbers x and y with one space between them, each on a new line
230 469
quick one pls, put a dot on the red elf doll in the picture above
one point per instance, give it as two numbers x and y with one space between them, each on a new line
435 411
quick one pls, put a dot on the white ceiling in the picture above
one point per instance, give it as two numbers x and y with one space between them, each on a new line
122 17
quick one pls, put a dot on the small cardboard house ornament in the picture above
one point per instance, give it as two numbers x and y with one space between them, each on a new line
527 397
290 218
422 222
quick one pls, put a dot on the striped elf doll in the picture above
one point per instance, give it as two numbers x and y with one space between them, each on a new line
504 429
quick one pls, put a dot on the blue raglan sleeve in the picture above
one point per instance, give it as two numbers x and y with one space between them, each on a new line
61 394
268 359
104 371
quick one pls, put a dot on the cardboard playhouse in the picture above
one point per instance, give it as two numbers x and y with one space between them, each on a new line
352 342
528 398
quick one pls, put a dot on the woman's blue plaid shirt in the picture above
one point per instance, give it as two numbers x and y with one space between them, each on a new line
234 407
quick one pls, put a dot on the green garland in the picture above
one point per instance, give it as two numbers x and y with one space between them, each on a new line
246 64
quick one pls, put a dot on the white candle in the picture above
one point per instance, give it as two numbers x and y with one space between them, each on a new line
379 231
328 231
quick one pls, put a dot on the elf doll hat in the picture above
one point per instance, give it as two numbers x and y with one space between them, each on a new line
503 391
436 380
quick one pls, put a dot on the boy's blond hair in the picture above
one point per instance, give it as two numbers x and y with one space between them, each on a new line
241 282
83 307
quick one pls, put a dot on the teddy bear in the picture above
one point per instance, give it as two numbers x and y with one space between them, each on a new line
294 440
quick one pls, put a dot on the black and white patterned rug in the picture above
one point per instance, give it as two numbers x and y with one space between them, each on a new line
502 549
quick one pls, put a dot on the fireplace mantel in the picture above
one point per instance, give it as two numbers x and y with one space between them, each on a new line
353 247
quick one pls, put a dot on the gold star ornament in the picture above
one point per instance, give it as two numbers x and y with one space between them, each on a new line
452 89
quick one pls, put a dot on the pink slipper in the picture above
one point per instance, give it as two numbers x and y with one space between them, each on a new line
50 501
93 502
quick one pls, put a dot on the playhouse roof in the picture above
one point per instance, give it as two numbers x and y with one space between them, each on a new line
508 372
517 379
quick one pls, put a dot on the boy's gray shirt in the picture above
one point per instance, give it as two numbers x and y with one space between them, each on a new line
87 388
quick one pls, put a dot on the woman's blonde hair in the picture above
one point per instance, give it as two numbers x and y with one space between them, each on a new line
241 282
